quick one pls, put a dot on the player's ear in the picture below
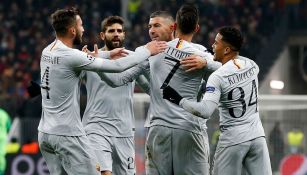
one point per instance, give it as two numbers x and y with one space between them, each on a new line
72 30
124 34
227 50
197 28
175 26
102 35
172 27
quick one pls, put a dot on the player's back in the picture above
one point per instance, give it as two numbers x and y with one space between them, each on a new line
60 85
165 70
239 116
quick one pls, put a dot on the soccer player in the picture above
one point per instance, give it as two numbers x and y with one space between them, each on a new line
234 88
175 142
161 28
61 136
108 119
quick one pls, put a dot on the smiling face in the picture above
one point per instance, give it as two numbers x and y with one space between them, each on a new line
113 36
219 48
160 29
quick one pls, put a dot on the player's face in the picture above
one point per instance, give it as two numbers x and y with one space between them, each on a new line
218 48
160 29
114 36
79 31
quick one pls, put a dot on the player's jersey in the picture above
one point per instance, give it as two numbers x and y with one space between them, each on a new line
109 111
165 70
204 49
60 87
235 87
202 121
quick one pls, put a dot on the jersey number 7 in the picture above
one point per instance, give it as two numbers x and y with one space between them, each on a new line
172 72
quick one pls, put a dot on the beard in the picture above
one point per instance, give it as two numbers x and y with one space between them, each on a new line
110 45
77 39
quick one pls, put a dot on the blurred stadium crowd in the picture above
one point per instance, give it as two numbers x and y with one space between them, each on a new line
25 31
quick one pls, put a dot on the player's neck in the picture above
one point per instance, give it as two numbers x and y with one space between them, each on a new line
229 56
67 41
186 37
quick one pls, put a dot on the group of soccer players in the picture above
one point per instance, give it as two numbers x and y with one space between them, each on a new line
171 70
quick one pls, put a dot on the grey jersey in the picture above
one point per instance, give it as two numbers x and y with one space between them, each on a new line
203 121
165 69
61 67
236 90
109 111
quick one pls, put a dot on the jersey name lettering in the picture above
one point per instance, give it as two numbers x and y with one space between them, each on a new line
175 53
51 60
242 76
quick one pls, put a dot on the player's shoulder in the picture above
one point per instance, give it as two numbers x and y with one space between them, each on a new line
224 70
199 47
248 62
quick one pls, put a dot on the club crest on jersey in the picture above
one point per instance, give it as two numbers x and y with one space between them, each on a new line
90 57
210 89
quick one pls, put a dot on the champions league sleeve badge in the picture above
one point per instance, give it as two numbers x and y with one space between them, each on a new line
90 58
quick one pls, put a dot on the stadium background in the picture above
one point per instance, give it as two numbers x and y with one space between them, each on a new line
275 37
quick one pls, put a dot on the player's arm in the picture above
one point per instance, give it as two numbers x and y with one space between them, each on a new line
204 108
202 61
84 61
143 83
120 79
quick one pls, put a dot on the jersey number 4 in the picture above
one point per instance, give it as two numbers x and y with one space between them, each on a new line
45 82
253 95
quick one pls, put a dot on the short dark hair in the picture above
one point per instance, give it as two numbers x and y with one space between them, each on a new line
62 19
164 14
187 18
232 36
110 21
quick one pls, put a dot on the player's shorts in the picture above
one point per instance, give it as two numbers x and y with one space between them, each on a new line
67 154
252 155
115 154
175 151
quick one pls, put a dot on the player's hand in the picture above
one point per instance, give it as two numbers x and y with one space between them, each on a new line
156 47
92 53
118 53
84 49
171 95
34 89
193 62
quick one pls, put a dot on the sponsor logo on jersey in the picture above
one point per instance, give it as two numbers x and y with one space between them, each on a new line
210 89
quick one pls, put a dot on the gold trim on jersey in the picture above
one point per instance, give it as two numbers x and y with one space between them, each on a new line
236 63
54 44
179 44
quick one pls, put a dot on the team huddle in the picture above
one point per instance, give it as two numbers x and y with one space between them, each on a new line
171 69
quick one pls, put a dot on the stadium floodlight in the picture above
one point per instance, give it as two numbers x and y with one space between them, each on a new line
276 84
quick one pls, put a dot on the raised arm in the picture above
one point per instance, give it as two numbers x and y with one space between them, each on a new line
91 63
120 79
